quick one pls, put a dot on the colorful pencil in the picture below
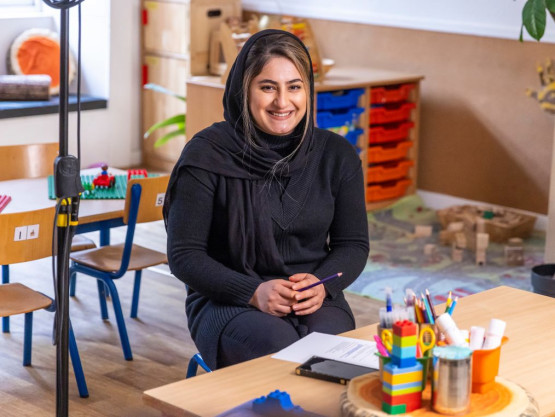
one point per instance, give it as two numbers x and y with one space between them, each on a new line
321 281
432 309
448 303
452 306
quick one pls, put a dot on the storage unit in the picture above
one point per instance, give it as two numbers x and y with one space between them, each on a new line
388 150
175 43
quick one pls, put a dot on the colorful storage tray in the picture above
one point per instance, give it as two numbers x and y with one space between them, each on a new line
390 133
327 119
387 191
389 152
390 113
388 171
390 94
341 99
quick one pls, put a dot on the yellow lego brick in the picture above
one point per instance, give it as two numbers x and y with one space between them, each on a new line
399 378
401 391
404 341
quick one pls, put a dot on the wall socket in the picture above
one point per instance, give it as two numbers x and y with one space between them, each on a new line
26 232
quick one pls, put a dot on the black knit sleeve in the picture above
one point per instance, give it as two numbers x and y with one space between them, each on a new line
189 222
348 235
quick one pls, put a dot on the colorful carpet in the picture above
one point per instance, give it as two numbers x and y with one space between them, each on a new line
397 258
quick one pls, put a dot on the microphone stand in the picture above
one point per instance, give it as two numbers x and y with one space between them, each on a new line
67 184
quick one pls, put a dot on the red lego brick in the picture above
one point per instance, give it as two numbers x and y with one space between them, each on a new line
404 328
413 398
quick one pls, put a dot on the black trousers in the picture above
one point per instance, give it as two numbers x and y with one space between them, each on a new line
253 333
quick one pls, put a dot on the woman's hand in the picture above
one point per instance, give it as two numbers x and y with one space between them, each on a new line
274 297
310 300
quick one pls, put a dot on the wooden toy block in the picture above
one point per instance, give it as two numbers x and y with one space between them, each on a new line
404 328
430 249
482 241
456 253
401 378
405 341
394 409
514 252
422 230
481 257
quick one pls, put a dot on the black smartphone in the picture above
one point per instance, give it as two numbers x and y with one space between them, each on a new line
331 370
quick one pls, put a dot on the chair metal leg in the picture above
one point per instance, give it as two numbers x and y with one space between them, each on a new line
102 299
194 362
5 280
28 339
72 282
136 291
77 367
128 355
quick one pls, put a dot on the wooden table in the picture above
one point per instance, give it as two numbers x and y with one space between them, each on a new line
32 193
527 359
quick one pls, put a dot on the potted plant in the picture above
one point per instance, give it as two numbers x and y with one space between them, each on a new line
177 121
534 16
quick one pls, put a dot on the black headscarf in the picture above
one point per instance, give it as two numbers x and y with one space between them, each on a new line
223 150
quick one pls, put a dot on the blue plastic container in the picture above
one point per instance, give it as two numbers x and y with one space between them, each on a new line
333 100
326 119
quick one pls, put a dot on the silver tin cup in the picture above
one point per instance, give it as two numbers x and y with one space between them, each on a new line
452 380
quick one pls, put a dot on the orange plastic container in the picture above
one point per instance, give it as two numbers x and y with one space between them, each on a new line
388 114
390 94
485 366
389 171
387 191
389 152
392 132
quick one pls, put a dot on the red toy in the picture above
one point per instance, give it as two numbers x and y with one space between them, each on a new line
104 179
136 173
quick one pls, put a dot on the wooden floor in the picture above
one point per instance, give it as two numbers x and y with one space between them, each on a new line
159 338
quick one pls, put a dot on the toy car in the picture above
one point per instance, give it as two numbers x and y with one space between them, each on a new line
104 179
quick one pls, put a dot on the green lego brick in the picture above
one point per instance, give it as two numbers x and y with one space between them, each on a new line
394 409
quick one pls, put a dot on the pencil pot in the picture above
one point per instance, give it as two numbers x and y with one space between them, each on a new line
384 360
452 380
485 366
542 279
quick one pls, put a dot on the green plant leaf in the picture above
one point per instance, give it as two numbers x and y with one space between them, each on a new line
160 89
166 138
178 119
534 18
550 4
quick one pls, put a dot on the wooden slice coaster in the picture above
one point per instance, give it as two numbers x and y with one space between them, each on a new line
363 398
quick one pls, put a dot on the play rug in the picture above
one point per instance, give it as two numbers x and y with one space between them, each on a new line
397 258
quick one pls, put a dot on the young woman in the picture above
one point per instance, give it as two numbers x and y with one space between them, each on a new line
262 205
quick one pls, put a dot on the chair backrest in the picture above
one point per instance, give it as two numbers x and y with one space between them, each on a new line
26 236
27 161
152 193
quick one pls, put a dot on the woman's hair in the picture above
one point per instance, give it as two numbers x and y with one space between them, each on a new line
261 52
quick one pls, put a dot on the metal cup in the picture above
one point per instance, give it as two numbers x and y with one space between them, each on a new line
452 380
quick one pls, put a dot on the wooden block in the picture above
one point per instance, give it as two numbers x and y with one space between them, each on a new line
422 230
25 87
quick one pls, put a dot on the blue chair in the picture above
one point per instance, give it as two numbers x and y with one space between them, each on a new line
34 228
143 203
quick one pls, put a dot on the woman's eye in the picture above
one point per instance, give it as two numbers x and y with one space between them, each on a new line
267 87
296 87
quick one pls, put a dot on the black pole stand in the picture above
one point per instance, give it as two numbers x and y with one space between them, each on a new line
67 183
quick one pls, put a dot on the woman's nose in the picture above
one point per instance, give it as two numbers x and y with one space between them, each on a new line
281 99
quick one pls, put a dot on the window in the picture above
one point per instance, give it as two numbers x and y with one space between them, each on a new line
20 5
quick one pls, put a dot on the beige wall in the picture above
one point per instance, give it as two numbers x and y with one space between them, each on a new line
482 138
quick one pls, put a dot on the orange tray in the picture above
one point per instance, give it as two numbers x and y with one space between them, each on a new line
390 94
392 132
389 152
389 171
387 191
389 113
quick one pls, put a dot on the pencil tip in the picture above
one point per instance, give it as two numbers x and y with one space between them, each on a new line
339 274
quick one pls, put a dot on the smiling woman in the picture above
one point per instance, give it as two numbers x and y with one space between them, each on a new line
263 205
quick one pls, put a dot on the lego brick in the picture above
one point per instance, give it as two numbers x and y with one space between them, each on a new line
401 378
394 409
393 369
403 362
404 341
404 328
414 398
403 352
395 391
394 387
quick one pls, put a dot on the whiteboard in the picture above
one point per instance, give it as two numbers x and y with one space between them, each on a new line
493 18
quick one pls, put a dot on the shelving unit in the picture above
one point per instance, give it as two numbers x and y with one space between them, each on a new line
377 111
175 43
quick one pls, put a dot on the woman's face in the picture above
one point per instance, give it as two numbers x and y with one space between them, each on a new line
277 97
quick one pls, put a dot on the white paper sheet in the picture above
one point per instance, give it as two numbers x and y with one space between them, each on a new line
345 349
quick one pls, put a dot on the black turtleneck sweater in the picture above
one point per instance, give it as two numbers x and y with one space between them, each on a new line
328 234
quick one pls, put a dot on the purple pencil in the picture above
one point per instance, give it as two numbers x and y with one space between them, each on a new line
321 281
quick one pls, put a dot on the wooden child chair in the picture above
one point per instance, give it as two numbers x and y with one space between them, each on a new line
31 161
143 203
17 298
